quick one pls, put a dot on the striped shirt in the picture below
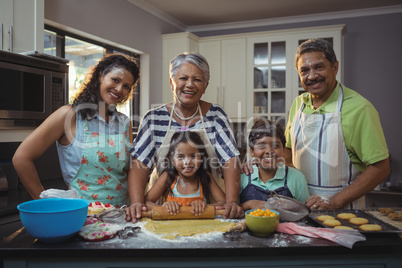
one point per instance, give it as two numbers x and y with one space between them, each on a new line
154 126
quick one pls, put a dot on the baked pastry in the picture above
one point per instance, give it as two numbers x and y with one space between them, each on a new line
343 227
395 216
324 217
370 227
345 216
97 207
332 223
386 211
358 221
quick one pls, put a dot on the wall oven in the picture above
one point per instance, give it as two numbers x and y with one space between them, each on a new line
31 87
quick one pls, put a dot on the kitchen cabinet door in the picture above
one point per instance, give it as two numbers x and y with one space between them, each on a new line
22 25
211 50
269 62
227 85
6 23
234 91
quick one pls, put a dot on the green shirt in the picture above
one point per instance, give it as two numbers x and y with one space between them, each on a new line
362 131
295 180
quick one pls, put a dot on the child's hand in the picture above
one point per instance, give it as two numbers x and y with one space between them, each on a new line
172 206
197 207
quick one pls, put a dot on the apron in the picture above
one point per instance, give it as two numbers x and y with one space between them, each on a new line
182 199
254 192
319 151
102 175
164 150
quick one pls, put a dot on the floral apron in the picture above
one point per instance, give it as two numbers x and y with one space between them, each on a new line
319 151
164 150
102 175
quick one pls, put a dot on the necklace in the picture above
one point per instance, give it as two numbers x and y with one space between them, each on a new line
185 118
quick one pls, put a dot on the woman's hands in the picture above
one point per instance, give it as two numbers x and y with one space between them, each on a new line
232 210
134 211
247 167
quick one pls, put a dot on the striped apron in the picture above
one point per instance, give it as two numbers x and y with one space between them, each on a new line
319 151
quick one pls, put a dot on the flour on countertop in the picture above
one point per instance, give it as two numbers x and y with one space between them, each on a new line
151 239
282 240
278 241
303 239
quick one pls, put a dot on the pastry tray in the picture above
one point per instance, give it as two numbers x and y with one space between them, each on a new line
374 212
386 228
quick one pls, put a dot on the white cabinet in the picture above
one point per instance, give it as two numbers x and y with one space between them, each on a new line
269 65
211 50
227 86
21 25
6 24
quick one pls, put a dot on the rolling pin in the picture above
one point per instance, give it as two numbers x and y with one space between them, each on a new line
161 213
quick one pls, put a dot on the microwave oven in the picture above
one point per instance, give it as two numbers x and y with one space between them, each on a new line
31 88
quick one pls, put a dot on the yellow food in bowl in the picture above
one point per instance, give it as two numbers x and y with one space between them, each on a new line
262 222
262 213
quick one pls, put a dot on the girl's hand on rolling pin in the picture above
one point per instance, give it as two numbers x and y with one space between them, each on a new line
172 206
197 207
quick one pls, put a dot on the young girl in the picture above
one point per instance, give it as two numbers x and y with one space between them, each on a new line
186 180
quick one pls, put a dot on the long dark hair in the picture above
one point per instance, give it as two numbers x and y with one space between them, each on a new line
202 174
89 92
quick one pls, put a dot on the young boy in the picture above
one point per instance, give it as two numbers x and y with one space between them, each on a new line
266 141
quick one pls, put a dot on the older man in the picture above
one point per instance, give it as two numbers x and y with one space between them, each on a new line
334 135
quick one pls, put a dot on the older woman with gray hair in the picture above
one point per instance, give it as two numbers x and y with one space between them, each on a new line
189 77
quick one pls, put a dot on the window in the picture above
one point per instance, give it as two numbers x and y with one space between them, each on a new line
82 54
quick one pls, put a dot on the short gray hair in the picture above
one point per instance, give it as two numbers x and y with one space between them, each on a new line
316 45
194 58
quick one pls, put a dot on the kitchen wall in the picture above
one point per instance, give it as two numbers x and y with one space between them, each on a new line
372 54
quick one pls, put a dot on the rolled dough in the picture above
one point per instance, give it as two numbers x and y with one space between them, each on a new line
172 229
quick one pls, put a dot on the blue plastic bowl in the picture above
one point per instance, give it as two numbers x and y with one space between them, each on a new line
55 219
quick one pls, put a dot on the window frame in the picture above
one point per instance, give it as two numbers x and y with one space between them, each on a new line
60 52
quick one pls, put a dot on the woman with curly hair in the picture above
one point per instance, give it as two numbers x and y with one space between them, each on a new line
93 139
